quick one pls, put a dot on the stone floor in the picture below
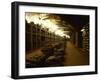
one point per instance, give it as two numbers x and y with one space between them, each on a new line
74 56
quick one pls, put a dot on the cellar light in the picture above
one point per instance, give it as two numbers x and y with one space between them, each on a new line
67 36
51 24
82 30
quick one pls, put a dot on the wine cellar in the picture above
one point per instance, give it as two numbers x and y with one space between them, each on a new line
47 44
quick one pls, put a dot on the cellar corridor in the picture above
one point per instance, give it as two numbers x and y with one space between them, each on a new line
53 40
